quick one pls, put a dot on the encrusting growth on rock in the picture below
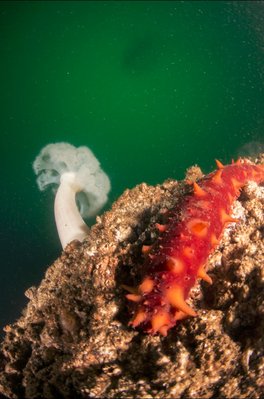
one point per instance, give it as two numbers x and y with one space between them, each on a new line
72 339
177 259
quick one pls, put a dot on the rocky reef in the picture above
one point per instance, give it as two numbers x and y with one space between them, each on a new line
73 338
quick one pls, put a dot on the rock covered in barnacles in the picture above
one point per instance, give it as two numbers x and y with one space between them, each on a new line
73 340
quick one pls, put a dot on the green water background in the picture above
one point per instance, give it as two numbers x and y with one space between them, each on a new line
150 87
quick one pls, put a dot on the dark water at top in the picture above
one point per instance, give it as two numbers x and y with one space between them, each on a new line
150 87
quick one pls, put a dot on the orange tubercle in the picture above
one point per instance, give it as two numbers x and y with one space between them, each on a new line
188 252
214 240
198 190
219 164
159 320
161 227
146 286
236 184
198 227
164 330
204 276
179 315
175 265
134 297
175 297
225 218
217 178
139 318
146 249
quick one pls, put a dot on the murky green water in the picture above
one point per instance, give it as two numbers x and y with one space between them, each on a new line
150 87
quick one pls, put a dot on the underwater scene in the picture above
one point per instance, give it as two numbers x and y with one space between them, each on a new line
150 87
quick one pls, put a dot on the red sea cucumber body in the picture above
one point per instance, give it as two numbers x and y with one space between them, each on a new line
177 259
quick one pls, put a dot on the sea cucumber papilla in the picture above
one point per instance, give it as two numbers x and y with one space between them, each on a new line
178 258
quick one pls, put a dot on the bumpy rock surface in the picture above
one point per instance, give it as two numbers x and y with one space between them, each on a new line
73 339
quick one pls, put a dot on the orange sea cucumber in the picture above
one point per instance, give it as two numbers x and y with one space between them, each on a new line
178 258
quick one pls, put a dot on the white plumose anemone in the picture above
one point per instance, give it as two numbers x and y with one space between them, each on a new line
77 176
